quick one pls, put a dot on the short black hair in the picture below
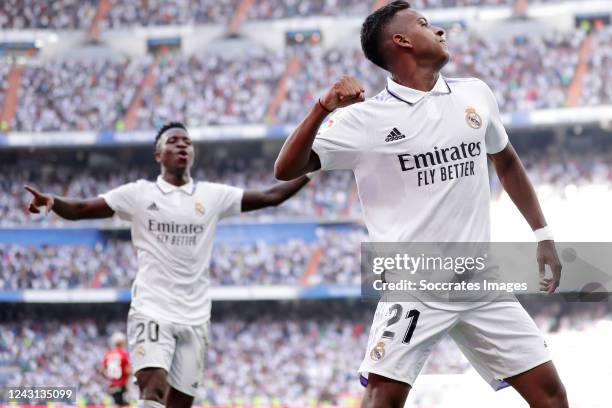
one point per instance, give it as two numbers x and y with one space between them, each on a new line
372 29
168 126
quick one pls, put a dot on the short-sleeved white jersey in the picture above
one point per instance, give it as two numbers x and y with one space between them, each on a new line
173 230
419 159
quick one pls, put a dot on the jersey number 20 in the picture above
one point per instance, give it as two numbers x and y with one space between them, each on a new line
152 331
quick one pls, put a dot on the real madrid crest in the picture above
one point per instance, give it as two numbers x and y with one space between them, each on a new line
378 352
199 207
472 118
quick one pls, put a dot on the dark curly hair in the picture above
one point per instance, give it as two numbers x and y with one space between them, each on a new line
372 29
168 126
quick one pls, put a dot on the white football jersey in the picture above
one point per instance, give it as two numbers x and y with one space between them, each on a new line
419 159
173 230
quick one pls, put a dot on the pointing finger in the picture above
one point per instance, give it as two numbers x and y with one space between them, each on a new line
31 190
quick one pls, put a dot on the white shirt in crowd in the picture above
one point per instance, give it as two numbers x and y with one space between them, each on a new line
173 229
419 159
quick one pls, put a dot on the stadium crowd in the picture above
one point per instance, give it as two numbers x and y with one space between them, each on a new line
597 85
167 12
332 195
67 266
261 354
59 15
75 94
78 15
525 72
211 89
113 264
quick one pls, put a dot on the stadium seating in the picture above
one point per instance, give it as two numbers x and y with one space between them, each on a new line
208 89
315 349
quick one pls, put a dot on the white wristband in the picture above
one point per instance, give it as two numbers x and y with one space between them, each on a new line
313 174
543 234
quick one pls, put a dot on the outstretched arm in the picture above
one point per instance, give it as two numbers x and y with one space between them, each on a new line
273 196
514 178
296 158
68 208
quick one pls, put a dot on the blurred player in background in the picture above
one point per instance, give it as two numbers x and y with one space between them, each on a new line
173 223
116 368
419 154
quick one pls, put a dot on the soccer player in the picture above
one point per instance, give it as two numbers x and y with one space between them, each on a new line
116 368
419 151
173 223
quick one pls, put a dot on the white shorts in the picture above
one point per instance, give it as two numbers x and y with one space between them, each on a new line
499 339
177 348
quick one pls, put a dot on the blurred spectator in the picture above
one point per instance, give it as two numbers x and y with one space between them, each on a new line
524 72
597 84
114 264
212 90
276 9
297 354
332 195
76 95
67 267
57 14
168 12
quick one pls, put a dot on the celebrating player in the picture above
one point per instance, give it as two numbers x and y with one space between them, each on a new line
173 223
116 368
419 154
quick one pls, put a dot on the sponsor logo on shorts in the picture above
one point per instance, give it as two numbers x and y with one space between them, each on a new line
378 352
140 351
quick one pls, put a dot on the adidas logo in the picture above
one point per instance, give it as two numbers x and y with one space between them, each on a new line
153 207
395 135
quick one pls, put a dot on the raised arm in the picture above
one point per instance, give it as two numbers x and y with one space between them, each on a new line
296 158
69 208
514 178
273 196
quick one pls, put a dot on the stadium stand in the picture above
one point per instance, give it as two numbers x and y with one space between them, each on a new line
211 89
206 89
331 196
79 109
315 347
597 87
63 14
79 15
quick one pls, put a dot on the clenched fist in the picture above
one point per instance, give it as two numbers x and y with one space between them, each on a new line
345 92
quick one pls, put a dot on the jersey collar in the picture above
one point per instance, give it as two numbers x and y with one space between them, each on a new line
412 96
167 188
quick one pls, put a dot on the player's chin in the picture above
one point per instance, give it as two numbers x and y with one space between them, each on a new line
182 163
445 57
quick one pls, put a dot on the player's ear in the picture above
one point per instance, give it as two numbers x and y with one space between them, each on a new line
157 155
402 40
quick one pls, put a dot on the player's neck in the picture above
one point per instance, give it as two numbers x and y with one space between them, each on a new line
417 77
176 179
